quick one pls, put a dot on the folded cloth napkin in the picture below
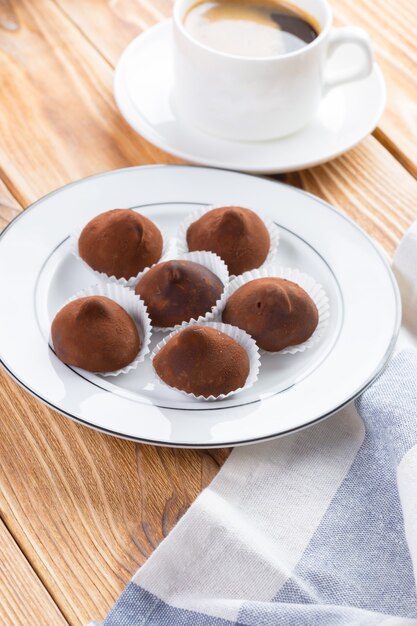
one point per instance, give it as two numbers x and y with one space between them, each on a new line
316 528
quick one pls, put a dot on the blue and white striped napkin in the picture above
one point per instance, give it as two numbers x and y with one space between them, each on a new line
314 529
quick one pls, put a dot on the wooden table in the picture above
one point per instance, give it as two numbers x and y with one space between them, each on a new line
81 511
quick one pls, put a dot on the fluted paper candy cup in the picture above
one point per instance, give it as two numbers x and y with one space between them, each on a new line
273 230
134 306
307 282
235 333
102 276
213 263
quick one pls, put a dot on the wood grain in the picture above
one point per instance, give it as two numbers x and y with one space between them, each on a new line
85 508
114 23
57 114
370 186
392 27
23 599
110 26
88 508
9 207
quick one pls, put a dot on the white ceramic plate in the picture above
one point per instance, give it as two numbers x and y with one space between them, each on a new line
143 85
38 274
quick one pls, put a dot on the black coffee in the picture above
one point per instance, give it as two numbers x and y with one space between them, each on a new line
249 28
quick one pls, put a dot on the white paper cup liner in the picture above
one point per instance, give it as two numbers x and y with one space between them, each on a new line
213 263
308 283
273 230
102 276
235 333
134 306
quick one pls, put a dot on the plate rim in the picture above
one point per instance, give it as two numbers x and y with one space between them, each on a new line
146 129
375 245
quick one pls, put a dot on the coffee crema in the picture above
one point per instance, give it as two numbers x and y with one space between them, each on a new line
249 28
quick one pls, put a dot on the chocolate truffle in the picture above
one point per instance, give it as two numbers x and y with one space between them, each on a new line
120 243
176 291
95 333
203 361
236 234
276 312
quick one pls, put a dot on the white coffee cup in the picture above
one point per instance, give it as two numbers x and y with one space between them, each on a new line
253 99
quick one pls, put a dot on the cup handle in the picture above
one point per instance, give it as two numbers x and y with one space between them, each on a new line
359 37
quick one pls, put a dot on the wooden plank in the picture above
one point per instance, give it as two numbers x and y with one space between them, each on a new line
9 207
58 119
24 601
111 26
392 28
370 186
114 23
88 508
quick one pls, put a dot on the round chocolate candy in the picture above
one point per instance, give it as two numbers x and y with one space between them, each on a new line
177 291
95 333
236 234
120 243
204 361
276 312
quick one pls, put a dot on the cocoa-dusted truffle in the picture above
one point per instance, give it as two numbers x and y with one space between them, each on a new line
95 333
236 234
204 361
176 291
276 312
120 243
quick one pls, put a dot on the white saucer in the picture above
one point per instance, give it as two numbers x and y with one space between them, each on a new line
142 88
38 273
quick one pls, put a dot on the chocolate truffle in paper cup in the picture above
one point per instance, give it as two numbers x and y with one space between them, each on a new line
118 245
237 234
103 329
283 309
188 287
207 362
